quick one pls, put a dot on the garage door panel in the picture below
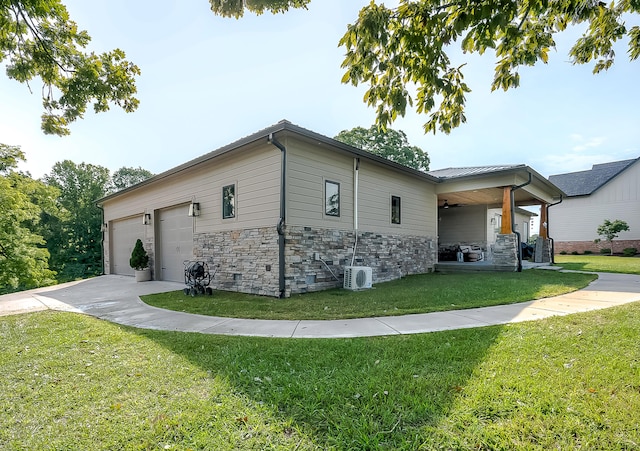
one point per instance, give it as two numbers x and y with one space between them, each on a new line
124 233
175 242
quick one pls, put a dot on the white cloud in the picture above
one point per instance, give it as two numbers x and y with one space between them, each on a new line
582 143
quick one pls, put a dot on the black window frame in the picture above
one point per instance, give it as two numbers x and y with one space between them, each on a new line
327 210
396 218
226 203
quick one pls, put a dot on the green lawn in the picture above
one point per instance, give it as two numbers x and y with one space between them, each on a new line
74 382
414 294
599 263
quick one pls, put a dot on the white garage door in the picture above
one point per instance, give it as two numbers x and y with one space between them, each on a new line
124 234
175 242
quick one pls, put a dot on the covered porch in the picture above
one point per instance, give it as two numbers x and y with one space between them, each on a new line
482 222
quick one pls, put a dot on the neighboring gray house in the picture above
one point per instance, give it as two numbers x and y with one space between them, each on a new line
286 210
606 191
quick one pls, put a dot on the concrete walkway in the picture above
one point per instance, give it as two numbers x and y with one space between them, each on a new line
116 299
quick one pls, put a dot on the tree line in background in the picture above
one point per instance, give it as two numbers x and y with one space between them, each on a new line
51 228
389 143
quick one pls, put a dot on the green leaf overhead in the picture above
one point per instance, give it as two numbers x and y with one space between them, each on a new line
402 53
39 41
236 8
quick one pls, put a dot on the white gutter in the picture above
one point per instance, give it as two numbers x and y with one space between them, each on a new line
356 172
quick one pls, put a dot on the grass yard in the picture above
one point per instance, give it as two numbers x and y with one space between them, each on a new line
74 382
599 263
413 294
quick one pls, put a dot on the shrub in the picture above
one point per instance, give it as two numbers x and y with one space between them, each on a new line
139 259
629 252
575 253
605 250
588 252
563 252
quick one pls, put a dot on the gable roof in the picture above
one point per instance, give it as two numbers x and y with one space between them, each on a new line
584 183
285 128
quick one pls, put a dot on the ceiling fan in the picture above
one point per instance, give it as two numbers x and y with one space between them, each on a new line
447 205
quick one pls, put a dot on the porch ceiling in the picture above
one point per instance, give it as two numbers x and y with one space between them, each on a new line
486 196
484 186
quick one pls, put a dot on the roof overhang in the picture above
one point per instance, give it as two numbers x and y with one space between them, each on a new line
471 187
487 188
281 130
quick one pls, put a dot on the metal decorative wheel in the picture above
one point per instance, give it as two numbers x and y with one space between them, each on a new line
197 278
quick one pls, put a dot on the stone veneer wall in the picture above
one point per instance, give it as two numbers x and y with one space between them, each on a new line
505 251
243 260
581 246
247 260
543 250
390 256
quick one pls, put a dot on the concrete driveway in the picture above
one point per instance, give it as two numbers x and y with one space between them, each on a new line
116 299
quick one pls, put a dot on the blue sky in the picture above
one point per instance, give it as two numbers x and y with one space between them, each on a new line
207 81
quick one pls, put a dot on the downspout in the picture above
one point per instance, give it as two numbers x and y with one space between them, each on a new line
102 232
281 221
356 169
513 220
549 236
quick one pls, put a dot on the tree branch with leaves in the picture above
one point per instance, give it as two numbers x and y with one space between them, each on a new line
402 53
38 40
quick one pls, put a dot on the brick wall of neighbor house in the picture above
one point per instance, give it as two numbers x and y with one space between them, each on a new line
505 251
581 246
390 256
243 260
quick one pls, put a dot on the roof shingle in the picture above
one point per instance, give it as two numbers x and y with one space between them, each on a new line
584 183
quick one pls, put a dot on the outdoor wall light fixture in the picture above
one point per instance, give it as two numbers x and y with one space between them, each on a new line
146 218
104 227
194 209
446 204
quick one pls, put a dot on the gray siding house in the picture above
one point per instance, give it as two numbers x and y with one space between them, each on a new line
286 210
606 191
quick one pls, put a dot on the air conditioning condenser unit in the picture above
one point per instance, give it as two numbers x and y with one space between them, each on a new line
358 277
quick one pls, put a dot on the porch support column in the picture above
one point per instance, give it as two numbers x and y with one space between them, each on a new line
505 229
543 222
